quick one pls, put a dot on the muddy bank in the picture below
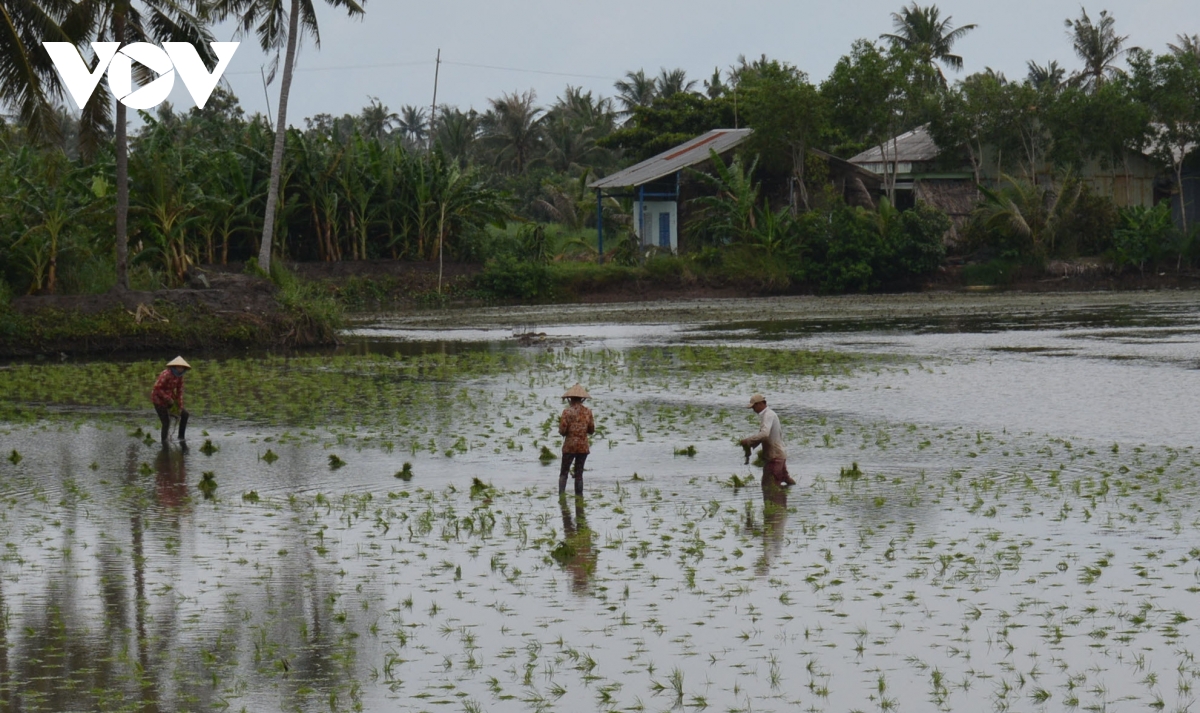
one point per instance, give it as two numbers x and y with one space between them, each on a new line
908 306
232 311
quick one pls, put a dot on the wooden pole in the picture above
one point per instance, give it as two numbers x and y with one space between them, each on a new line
433 107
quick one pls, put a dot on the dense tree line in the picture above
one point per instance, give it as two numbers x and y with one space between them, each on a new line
82 201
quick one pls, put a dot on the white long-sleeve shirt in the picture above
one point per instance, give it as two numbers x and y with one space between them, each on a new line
770 436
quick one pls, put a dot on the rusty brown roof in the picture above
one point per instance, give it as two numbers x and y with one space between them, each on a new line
686 154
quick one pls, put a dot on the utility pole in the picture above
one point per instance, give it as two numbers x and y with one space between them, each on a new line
433 107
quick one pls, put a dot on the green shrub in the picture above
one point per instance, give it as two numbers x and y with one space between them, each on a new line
1089 227
991 273
1145 234
841 251
506 277
572 278
915 246
5 295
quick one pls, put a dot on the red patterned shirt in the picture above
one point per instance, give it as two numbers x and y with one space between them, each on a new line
168 390
576 423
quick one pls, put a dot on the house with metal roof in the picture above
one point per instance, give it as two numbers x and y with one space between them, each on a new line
656 183
919 170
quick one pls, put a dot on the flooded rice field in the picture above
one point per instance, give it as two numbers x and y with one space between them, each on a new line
997 509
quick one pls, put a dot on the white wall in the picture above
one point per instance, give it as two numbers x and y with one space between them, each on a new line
649 225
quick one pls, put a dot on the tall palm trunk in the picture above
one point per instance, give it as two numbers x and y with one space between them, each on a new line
285 88
122 141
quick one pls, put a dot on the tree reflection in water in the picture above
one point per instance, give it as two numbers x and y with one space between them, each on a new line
113 621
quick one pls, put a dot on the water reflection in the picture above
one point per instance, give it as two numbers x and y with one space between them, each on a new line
170 479
575 553
775 512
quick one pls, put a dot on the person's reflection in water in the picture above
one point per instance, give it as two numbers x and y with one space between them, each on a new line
775 503
575 552
170 480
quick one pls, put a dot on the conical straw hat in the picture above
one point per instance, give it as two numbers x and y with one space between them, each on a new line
178 361
577 392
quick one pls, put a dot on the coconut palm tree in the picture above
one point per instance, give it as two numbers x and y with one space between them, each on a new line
1099 46
28 82
1049 77
512 128
128 21
456 133
635 90
268 19
674 81
1189 45
376 120
413 124
921 30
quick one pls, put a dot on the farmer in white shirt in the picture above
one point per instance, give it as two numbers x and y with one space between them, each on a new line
770 437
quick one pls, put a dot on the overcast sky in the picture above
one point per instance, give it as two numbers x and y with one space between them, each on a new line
489 48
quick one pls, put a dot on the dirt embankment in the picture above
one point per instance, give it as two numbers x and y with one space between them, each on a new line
222 311
227 294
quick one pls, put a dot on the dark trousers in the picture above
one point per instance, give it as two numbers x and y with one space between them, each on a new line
567 460
164 415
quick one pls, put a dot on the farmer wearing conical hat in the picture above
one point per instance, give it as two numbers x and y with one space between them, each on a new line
770 437
167 396
576 424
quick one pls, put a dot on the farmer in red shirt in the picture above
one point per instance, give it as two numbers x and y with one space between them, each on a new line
168 395
576 424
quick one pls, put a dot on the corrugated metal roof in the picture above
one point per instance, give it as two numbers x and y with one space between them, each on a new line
686 154
914 146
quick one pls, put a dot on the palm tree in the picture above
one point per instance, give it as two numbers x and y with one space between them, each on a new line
1049 77
1099 46
376 120
714 87
28 81
267 19
921 30
675 81
513 129
1031 214
128 21
456 133
413 124
635 90
1189 45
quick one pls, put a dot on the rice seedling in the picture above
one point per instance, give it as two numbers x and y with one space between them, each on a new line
335 462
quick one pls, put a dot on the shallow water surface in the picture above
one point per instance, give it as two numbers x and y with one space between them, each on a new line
992 512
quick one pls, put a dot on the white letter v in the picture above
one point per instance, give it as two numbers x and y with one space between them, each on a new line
67 60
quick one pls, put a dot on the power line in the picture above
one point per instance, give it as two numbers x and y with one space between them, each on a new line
528 71
426 63
351 66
